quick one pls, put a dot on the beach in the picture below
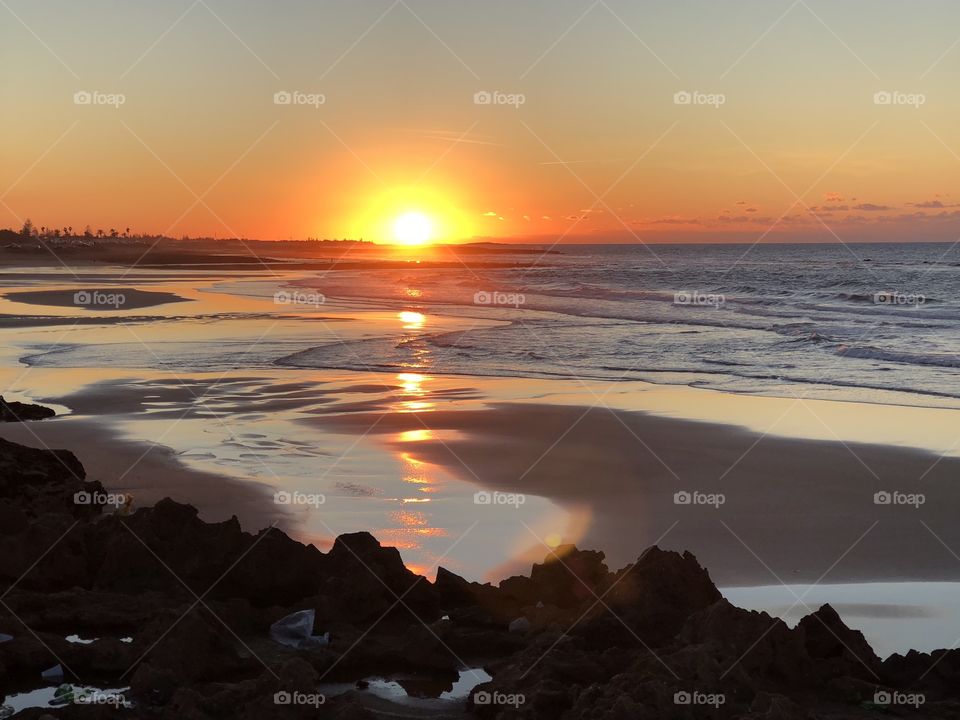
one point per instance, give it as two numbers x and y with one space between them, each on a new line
769 492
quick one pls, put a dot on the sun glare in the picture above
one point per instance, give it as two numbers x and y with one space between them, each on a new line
412 228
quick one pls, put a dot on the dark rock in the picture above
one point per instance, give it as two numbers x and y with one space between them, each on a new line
843 651
197 648
20 412
374 580
650 600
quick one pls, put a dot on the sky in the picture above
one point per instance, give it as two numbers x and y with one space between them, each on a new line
528 120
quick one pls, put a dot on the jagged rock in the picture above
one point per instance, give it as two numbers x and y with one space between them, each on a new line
43 482
650 600
452 590
846 651
266 569
370 580
20 412
750 647
936 674
567 578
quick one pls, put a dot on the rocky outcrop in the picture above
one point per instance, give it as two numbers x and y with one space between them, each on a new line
181 610
21 412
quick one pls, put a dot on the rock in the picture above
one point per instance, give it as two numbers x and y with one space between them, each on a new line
197 648
297 675
936 674
43 482
452 590
19 412
755 650
520 625
650 600
378 581
267 569
845 651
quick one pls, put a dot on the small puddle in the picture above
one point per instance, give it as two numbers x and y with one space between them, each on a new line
416 691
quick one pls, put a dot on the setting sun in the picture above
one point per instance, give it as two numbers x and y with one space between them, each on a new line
413 228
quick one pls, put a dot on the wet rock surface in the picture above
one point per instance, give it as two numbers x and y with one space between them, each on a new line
179 611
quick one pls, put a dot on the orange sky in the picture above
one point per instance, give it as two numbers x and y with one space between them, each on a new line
547 121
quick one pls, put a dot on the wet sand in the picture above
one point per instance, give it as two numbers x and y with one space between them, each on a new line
150 472
794 510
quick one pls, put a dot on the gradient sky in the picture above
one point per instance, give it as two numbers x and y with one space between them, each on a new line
799 150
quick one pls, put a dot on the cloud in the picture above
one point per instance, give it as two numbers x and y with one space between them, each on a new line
491 213
832 197
933 205
670 220
871 207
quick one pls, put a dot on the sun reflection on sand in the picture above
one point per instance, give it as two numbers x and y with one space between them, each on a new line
411 384
415 435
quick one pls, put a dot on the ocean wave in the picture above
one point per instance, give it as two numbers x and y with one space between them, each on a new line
873 353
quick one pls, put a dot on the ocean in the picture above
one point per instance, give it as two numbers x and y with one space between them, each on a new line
869 323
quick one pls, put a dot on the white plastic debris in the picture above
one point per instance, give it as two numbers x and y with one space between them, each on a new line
520 625
296 631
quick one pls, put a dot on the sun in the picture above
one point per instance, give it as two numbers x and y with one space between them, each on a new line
413 228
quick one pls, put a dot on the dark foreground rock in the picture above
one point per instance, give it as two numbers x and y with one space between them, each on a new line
21 412
178 612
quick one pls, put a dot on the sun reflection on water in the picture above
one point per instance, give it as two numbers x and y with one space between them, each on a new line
412 320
